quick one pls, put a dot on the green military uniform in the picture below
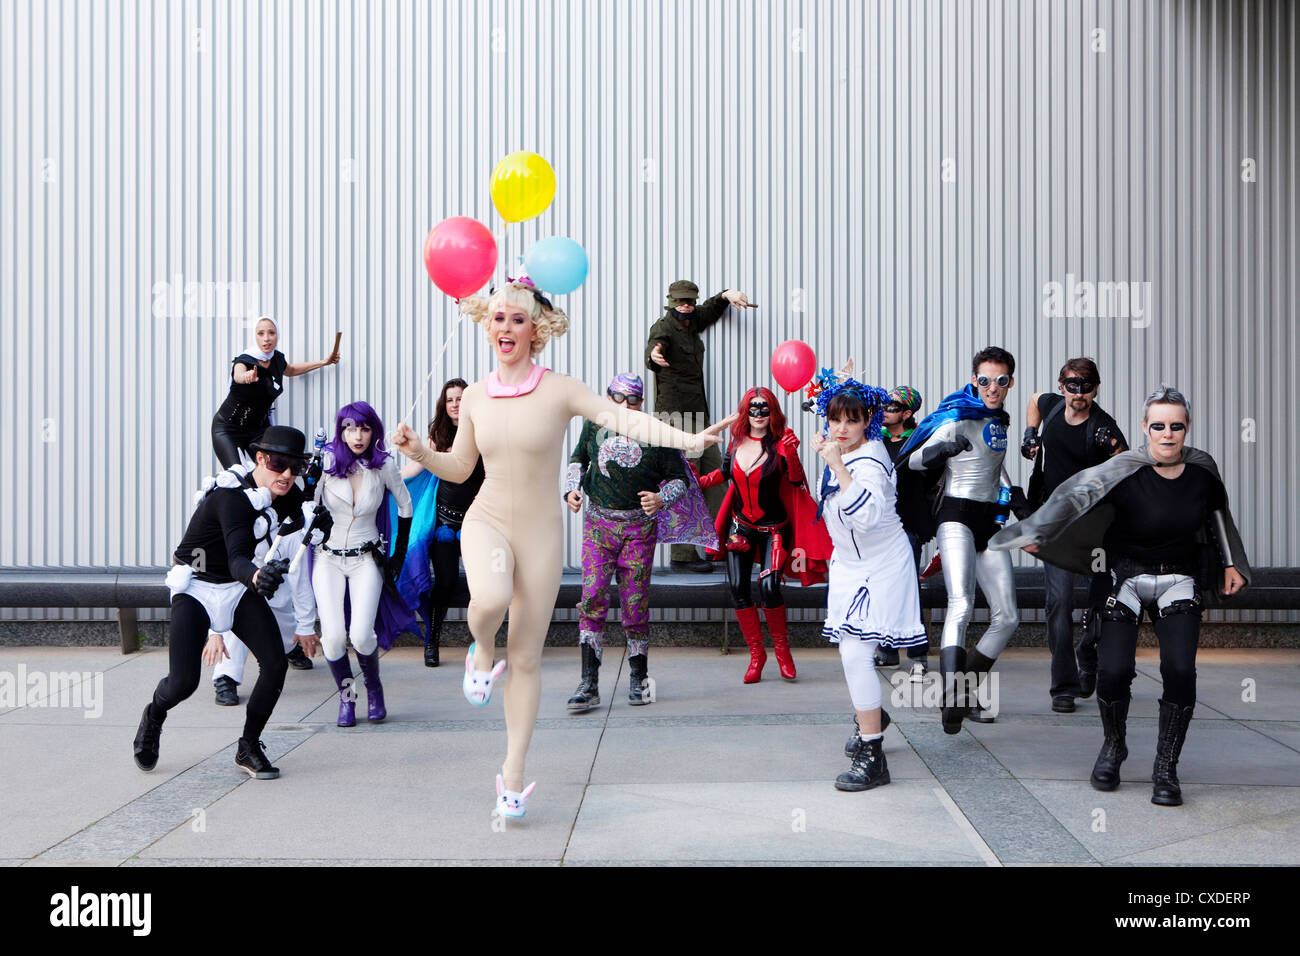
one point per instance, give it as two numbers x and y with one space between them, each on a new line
679 388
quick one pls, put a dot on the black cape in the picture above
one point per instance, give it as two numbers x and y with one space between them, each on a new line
1070 526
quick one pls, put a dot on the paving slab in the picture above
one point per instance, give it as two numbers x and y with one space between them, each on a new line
770 822
1215 824
1216 751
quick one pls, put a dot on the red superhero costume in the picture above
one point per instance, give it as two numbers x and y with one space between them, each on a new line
767 516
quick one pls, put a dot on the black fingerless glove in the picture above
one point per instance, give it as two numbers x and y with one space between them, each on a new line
1106 440
271 576
1030 444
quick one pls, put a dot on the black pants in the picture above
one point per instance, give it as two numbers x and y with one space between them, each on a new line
1059 586
740 565
445 557
1178 635
256 626
228 440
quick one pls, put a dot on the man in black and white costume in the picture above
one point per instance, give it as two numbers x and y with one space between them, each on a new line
965 440
294 604
217 586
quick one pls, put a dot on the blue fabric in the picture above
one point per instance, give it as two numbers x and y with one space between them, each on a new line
957 407
416 579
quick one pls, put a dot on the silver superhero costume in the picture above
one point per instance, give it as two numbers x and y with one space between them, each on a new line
973 475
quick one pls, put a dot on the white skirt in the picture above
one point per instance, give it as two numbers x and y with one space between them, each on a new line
874 602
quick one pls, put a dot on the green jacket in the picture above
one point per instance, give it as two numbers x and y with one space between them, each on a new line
680 387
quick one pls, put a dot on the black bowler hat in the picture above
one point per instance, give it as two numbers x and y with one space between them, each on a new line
282 440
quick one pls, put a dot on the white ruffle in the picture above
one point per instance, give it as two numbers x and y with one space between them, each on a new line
178 578
259 498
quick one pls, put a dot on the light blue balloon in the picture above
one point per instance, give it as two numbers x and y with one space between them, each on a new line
557 265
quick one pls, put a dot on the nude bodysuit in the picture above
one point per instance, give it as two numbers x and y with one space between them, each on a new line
512 538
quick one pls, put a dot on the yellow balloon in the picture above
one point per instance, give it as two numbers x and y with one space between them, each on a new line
523 185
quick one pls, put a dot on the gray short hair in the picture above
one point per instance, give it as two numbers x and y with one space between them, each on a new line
1167 395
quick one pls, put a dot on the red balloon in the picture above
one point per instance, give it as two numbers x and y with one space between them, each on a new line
793 365
460 255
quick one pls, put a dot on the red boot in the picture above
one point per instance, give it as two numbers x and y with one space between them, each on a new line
780 640
753 632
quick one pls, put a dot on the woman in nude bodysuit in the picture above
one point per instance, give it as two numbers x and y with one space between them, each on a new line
512 537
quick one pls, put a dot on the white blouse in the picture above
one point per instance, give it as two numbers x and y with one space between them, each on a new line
354 521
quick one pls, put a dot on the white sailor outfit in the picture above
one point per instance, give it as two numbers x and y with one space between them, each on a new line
872 591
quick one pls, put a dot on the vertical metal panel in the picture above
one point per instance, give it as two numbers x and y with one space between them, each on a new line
796 150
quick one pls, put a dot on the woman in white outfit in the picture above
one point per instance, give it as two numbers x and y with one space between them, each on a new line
872 596
353 560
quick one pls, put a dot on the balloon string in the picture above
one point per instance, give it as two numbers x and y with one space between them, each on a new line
434 368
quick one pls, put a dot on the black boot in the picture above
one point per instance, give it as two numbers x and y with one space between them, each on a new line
587 695
298 660
952 667
226 691
855 742
147 739
869 768
976 664
435 636
1086 653
1174 720
638 690
1114 723
250 757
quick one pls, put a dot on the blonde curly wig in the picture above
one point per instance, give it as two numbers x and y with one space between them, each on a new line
546 322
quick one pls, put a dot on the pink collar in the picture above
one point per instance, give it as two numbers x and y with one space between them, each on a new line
495 389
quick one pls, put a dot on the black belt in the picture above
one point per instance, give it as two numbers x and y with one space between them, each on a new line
353 552
1127 568
769 528
449 516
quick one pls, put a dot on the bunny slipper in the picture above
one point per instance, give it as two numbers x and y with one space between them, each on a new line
477 685
509 802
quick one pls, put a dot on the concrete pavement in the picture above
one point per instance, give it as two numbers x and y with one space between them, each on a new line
713 772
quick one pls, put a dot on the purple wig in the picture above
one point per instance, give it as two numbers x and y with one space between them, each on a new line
341 458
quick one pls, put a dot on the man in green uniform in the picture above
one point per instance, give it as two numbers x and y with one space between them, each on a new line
674 351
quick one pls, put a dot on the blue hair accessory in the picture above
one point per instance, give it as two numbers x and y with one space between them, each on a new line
445 533
826 385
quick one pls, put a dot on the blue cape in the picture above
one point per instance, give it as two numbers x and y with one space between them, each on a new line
416 579
959 406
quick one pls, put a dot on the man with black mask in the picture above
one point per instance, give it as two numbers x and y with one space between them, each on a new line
1068 432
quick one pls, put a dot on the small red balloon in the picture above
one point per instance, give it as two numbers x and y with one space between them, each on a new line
460 256
793 365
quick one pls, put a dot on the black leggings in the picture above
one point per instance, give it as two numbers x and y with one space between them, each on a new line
445 556
227 441
740 565
1178 635
256 626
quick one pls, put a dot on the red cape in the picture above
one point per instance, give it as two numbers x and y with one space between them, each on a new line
810 545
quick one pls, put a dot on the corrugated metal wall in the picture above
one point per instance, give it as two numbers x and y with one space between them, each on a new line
891 181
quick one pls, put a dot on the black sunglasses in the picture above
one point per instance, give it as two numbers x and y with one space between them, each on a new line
1079 386
1173 426
1002 381
621 397
895 407
760 410
279 464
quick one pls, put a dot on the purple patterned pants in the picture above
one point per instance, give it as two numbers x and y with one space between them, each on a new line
627 547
